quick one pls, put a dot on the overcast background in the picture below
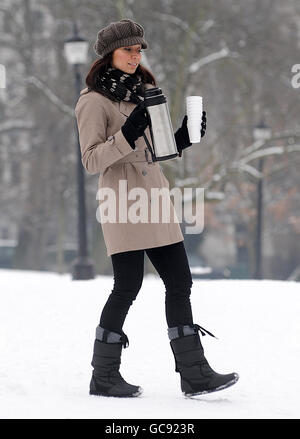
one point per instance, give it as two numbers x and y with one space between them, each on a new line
238 55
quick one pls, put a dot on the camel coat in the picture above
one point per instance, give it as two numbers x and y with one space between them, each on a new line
105 151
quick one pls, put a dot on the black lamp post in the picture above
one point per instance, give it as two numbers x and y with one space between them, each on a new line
261 132
75 49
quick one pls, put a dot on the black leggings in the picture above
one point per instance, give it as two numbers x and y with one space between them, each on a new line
172 265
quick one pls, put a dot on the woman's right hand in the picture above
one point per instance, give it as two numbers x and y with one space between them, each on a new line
135 124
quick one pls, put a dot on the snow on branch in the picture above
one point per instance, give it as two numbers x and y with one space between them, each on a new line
214 195
15 125
255 145
287 133
50 95
223 53
242 167
178 22
273 150
207 25
223 173
181 182
276 136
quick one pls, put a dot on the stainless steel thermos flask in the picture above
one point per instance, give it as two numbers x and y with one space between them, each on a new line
160 126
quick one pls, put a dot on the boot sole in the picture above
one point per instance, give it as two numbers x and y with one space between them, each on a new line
216 389
137 393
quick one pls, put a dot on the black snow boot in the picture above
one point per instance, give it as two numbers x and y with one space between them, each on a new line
197 377
106 379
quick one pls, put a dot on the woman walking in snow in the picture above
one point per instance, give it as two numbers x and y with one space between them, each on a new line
111 120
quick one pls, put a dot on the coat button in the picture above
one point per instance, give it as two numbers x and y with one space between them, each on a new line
144 172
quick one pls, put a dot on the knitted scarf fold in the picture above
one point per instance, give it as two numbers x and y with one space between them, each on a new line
118 85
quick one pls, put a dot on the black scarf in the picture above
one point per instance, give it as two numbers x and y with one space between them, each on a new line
118 85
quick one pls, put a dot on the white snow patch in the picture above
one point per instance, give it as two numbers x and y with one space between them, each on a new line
48 321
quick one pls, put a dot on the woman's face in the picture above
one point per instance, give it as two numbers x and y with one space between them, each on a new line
127 58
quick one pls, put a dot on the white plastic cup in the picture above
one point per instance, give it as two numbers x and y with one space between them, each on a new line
194 114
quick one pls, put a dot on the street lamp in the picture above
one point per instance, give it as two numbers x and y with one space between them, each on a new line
75 51
260 132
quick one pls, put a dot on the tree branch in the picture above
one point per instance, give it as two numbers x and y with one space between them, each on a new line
11 125
178 22
50 95
273 150
223 53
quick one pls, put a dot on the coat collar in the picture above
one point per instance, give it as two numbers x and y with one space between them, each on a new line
126 107
84 91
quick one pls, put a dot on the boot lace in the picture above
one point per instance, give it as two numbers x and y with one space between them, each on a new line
124 340
203 330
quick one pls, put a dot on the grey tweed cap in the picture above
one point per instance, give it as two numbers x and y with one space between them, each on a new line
119 34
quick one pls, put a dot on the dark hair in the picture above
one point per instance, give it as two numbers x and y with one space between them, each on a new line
100 66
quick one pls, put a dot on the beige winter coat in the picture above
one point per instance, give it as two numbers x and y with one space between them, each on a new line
105 151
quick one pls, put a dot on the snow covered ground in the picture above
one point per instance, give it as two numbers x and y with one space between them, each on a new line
47 325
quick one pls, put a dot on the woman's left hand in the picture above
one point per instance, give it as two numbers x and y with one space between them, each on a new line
203 124
182 135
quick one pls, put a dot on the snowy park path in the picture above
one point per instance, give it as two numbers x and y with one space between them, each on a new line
47 327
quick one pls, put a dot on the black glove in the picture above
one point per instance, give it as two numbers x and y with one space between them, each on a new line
135 124
203 124
182 135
